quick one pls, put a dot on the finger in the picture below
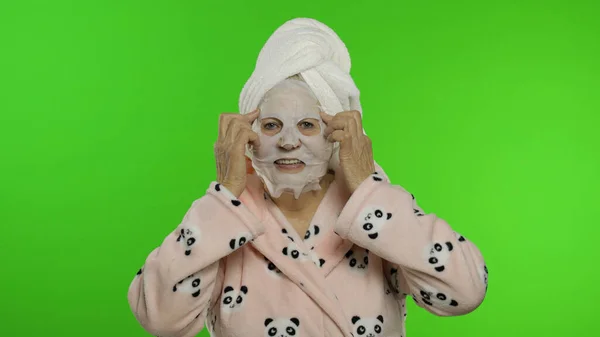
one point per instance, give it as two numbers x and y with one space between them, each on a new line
337 123
237 125
338 136
358 120
354 115
351 127
233 128
247 136
224 120
252 116
325 117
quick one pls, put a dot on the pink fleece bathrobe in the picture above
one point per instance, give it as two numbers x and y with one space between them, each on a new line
239 266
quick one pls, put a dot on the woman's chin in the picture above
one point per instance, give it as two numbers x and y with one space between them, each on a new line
290 168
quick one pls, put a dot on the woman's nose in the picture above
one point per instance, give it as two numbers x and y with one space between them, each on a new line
289 140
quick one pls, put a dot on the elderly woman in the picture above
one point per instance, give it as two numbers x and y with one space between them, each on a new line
311 239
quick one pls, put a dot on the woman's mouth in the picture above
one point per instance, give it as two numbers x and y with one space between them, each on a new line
289 165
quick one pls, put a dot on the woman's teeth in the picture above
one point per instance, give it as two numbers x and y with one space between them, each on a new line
288 162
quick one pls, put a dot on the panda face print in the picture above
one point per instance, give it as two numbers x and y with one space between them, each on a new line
358 259
282 327
189 285
368 327
434 298
188 237
285 233
418 212
312 231
437 255
373 219
213 322
315 258
292 251
232 299
272 268
239 241
234 201
394 280
483 274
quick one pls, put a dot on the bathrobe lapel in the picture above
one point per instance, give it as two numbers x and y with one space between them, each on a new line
283 247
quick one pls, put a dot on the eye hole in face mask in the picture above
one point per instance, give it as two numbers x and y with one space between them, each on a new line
270 126
307 126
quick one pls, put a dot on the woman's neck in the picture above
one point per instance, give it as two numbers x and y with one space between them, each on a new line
306 205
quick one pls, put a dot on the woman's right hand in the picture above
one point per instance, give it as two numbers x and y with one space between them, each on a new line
235 132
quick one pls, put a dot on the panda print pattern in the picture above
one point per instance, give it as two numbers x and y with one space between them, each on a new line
239 241
437 254
272 268
319 262
483 273
311 232
190 284
374 218
285 232
368 327
282 327
292 250
212 322
358 259
394 280
232 299
234 201
435 298
188 237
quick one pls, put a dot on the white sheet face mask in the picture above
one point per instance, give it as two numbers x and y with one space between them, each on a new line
291 102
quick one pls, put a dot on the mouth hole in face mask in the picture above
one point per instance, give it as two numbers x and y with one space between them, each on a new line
289 162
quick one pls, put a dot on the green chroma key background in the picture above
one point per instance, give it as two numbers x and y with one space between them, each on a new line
486 110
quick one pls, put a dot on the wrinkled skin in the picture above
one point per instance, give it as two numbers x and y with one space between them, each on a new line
356 151
235 132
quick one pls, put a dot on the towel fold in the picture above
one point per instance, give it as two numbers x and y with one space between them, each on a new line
313 50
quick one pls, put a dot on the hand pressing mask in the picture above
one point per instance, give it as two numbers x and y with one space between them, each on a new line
293 154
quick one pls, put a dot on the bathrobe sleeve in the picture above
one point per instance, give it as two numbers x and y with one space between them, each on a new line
174 290
443 272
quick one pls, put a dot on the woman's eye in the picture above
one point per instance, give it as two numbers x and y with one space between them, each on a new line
307 125
270 126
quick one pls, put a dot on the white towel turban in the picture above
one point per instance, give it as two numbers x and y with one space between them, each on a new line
313 50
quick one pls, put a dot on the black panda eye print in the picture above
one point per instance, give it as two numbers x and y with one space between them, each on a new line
312 231
434 298
187 238
438 254
375 218
190 285
233 299
239 241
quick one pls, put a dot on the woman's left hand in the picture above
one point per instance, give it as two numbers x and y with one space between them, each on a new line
356 151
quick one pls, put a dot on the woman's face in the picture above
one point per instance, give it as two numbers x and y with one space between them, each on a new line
293 154
291 129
